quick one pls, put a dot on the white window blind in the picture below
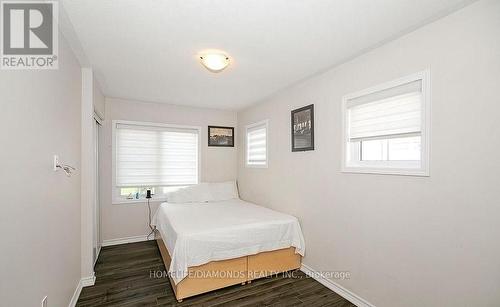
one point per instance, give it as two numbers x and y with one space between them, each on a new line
148 156
386 127
389 113
257 144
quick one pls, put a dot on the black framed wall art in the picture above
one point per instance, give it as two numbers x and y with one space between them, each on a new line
303 128
220 136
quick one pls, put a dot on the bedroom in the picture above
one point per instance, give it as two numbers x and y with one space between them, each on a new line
297 153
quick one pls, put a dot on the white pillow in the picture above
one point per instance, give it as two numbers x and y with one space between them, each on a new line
204 192
223 190
193 194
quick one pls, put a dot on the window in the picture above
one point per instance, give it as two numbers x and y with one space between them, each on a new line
386 128
256 150
153 156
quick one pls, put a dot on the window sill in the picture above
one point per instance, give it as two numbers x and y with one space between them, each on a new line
386 171
255 166
136 201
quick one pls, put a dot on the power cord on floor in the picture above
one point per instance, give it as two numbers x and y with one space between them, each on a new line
153 228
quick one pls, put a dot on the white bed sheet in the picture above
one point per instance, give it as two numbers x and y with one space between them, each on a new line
197 233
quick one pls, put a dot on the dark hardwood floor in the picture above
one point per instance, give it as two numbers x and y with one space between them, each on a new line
123 279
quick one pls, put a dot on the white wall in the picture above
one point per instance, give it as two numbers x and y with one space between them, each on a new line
407 241
40 208
217 164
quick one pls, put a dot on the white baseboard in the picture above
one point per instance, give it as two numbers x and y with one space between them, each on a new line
88 281
348 295
76 294
126 240
83 282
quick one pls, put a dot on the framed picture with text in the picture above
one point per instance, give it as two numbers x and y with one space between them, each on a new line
303 128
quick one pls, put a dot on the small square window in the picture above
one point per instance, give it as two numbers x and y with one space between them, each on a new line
386 128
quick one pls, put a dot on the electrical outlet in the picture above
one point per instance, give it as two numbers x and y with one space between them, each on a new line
44 302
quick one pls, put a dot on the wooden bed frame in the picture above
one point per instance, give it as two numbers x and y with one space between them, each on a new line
230 272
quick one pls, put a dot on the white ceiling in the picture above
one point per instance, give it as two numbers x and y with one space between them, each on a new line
146 50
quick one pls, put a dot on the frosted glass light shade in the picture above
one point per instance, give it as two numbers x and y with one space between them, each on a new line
214 62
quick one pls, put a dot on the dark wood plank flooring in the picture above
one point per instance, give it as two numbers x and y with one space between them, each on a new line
123 279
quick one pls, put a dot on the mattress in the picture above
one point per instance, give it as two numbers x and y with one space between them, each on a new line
197 233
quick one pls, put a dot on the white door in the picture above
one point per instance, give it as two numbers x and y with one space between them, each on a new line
97 242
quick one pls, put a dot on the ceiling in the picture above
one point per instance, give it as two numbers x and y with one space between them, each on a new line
147 50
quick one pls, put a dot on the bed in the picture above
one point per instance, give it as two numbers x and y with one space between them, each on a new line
208 245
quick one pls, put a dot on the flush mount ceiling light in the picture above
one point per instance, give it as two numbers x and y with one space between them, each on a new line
214 62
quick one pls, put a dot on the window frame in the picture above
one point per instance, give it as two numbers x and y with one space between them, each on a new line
406 168
116 197
250 126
